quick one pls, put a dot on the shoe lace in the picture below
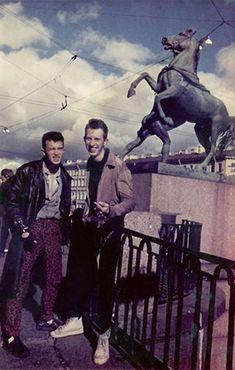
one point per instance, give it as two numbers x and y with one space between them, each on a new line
63 326
103 344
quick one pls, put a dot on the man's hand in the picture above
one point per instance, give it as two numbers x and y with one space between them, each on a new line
28 241
102 209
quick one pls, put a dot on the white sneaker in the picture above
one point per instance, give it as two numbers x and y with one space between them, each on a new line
101 354
72 326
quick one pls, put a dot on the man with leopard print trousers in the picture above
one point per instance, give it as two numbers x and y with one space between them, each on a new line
38 207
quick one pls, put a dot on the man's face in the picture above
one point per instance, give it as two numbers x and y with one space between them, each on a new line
54 151
95 142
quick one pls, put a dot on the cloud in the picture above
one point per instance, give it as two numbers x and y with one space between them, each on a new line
225 64
17 31
113 50
83 12
222 84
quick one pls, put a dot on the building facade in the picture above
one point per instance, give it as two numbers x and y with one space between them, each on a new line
77 171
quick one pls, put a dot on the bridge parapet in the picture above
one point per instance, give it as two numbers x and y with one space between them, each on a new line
171 324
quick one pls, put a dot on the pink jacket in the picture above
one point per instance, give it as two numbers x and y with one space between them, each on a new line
115 188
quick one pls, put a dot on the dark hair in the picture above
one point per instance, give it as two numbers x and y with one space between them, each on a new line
6 172
95 123
52 135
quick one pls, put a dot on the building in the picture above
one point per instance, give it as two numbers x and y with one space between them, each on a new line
77 171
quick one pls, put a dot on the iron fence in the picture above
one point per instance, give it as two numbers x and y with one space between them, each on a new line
187 234
170 303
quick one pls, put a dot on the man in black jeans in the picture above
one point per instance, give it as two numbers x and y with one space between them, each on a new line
97 234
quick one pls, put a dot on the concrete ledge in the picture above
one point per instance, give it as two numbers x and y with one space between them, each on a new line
176 170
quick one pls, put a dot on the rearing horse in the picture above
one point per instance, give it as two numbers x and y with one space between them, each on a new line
180 98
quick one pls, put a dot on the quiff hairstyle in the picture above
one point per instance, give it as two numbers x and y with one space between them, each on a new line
95 123
52 135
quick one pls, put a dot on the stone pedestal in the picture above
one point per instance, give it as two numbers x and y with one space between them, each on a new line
198 197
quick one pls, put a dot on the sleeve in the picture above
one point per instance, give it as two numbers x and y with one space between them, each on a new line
124 188
16 201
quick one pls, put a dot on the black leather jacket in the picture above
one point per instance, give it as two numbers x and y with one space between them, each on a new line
27 195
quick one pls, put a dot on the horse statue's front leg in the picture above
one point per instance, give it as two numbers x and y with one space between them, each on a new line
134 84
131 90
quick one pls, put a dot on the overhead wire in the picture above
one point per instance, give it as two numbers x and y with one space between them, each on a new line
33 119
53 40
65 48
59 74
223 20
119 81
82 98
21 98
217 10
29 101
74 54
231 25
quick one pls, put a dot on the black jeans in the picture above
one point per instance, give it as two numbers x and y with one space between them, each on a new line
91 268
5 232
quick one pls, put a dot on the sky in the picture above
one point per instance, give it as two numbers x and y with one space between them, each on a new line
90 52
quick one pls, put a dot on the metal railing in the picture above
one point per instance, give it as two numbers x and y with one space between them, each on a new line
156 328
187 234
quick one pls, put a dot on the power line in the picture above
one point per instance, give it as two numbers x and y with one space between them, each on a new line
84 97
29 101
83 56
25 96
224 21
59 74
79 110
216 8
20 99
54 40
119 81
92 59
53 79
34 119
231 25
62 46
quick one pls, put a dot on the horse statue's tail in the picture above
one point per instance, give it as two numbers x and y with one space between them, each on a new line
225 139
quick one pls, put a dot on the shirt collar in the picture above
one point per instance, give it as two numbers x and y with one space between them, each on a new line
47 172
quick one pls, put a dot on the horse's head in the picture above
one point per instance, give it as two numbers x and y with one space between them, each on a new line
180 42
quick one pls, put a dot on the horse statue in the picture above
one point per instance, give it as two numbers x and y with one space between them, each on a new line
179 98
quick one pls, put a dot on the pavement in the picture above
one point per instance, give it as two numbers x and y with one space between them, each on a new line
46 353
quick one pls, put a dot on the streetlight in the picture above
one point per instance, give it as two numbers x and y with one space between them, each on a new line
204 42
5 129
